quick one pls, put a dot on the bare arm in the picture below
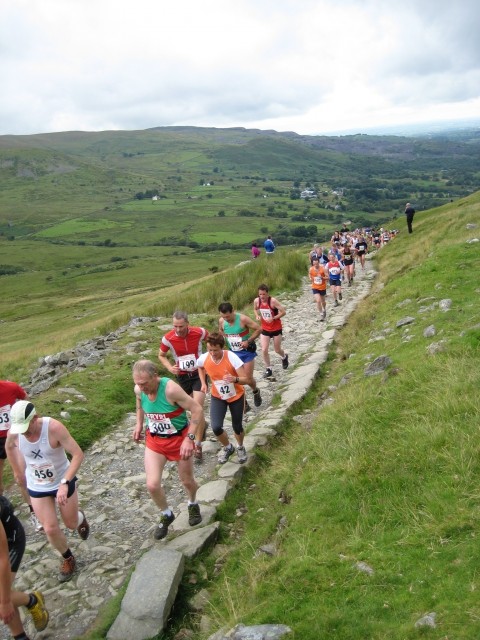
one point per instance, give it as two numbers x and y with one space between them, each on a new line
138 431
176 395
203 379
165 362
16 460
281 309
254 328
256 305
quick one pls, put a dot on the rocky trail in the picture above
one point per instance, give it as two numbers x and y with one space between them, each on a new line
113 494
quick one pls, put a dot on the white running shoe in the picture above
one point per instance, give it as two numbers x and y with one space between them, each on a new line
35 522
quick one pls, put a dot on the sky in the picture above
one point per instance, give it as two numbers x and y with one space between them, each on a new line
309 66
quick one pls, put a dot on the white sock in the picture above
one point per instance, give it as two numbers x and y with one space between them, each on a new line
81 518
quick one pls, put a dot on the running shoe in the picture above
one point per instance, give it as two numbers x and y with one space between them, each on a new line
162 529
225 453
35 522
241 454
285 361
67 569
336 303
197 452
257 398
247 408
268 373
194 515
38 612
83 528
322 317
340 295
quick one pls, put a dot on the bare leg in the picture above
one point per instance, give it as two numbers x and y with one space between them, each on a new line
185 473
154 464
45 511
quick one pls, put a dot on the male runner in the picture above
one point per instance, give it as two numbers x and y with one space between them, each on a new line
10 392
269 311
12 547
36 449
241 332
185 344
169 436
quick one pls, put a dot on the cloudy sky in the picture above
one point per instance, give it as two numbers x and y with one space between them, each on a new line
310 66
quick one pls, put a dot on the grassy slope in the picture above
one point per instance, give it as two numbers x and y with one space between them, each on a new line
387 475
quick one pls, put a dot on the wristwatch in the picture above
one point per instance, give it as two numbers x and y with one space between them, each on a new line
191 436
63 481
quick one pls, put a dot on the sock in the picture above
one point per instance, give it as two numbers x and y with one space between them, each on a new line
190 503
67 554
167 512
21 636
81 518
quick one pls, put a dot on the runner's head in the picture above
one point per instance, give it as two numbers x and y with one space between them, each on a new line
180 323
215 344
227 312
145 375
263 292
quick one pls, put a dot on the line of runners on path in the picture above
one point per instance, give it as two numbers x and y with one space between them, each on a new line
36 446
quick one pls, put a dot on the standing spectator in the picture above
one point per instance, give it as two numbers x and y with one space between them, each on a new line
409 212
36 449
269 246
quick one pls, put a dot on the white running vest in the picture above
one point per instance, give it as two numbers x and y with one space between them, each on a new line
45 466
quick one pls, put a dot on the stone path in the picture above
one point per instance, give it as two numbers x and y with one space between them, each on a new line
112 484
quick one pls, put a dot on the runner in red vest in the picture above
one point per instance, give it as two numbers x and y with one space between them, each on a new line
269 311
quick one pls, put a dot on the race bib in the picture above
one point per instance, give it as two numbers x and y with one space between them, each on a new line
5 417
335 271
266 314
43 473
187 363
317 280
160 425
225 389
235 342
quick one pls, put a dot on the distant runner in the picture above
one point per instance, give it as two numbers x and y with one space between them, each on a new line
269 311
318 278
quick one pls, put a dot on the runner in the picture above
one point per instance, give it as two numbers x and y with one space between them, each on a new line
185 343
228 375
270 311
241 332
318 278
361 248
348 261
10 392
36 449
169 436
334 270
12 547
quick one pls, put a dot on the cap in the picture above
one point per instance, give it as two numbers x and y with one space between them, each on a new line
20 415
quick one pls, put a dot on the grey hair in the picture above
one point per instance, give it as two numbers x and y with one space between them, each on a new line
145 366
180 315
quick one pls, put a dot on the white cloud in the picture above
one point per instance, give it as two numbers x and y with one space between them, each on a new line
308 65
